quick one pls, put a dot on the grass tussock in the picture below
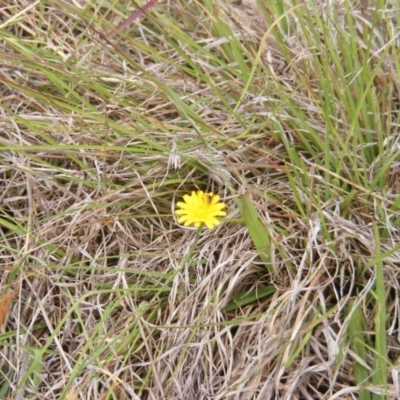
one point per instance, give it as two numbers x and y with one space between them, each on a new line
110 114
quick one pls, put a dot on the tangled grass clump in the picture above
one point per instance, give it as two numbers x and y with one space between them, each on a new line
110 112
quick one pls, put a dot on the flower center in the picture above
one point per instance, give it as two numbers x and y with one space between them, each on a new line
204 207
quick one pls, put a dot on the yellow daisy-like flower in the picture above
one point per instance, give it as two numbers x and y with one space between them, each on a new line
200 208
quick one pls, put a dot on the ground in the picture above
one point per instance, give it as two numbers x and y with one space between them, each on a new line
112 112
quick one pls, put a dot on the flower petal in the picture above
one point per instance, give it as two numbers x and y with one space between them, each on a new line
215 200
181 212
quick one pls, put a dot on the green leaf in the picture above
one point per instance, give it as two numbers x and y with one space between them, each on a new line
357 343
380 363
244 298
258 232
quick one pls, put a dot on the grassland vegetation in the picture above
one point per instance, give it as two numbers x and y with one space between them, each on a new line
111 114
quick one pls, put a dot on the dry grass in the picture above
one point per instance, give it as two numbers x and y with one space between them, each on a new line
102 131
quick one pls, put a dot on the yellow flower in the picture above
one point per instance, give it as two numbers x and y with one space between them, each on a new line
200 208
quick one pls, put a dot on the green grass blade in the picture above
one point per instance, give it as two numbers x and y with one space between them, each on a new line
245 298
380 365
357 344
258 233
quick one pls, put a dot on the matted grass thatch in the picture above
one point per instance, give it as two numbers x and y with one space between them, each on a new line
111 113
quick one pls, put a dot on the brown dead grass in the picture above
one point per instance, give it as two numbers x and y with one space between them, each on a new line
95 254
